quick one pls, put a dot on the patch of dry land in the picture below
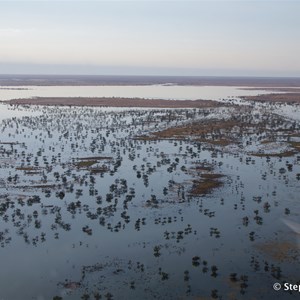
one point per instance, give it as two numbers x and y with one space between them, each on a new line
115 102
279 250
292 97
273 89
213 131
266 135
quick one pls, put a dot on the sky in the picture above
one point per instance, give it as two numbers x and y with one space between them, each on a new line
207 38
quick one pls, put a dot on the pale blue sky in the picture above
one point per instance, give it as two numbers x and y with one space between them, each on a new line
222 37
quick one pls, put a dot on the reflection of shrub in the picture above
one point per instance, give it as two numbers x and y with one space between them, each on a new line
60 195
196 261
109 197
164 276
33 200
156 250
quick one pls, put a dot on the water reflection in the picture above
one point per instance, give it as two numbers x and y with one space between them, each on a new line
152 91
112 204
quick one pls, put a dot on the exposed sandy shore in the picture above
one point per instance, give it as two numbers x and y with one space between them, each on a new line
116 102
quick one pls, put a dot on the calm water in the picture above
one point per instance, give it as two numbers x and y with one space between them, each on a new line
133 231
152 91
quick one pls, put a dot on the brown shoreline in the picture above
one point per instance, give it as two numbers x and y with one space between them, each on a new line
114 102
275 97
272 89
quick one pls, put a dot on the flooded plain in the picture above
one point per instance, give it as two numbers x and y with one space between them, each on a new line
157 91
100 203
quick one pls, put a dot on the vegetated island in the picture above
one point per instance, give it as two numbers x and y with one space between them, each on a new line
275 97
115 102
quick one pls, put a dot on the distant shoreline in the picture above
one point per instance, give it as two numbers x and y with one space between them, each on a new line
102 80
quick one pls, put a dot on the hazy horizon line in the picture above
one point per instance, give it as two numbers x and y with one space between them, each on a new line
148 75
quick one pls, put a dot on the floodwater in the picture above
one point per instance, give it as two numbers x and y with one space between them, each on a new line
124 223
150 91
